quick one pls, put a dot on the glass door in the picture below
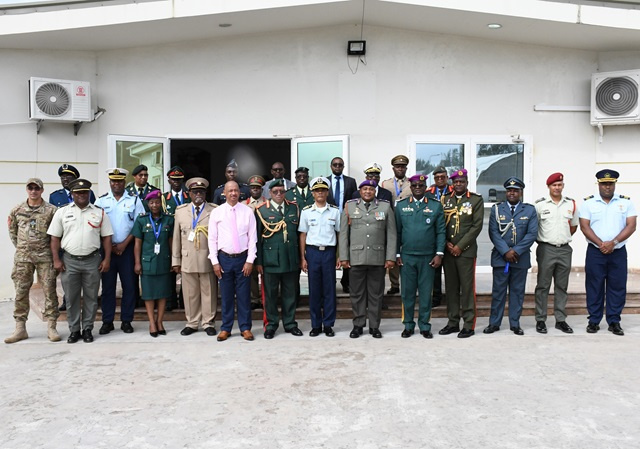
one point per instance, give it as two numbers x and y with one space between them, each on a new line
130 151
316 153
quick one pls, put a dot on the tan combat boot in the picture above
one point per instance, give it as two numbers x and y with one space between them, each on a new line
52 333
19 334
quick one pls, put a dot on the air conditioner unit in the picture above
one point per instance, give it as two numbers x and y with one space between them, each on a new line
59 100
614 98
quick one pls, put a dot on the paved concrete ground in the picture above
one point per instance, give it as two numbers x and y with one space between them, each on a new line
498 391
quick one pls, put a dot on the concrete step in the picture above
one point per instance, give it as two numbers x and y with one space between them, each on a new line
576 305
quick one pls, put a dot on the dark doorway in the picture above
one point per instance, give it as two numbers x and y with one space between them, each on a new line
207 158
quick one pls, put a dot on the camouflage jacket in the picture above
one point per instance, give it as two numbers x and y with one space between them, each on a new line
28 231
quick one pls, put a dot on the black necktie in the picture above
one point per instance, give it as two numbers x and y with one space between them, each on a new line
280 210
197 210
513 210
303 195
336 194
366 205
140 190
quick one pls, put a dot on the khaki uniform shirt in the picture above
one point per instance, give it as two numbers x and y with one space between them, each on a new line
191 256
554 220
403 186
81 230
28 231
253 204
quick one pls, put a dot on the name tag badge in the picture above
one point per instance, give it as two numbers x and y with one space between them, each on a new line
192 236
156 248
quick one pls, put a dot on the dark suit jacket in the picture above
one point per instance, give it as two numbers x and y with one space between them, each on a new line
383 194
525 221
349 185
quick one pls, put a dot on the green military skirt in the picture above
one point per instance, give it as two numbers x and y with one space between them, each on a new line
156 286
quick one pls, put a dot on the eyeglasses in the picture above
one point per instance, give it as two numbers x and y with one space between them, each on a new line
277 169
199 192
277 192
36 188
418 186
337 164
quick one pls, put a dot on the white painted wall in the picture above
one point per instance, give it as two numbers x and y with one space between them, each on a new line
299 83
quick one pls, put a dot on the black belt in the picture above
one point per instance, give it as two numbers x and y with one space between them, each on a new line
553 244
320 248
243 253
88 256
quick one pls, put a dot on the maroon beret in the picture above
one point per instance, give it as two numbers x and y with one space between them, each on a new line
555 178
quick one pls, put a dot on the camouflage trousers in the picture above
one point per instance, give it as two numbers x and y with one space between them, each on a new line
22 276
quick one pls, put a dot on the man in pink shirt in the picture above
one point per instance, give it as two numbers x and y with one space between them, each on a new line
232 250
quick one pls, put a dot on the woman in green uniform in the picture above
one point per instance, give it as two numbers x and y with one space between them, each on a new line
153 232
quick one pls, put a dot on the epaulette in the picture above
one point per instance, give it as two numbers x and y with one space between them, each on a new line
380 200
102 196
405 199
214 205
144 214
569 198
540 199
333 205
132 194
472 193
353 200
290 201
182 205
588 197
624 197
95 205
292 188
261 204
221 186
310 206
499 203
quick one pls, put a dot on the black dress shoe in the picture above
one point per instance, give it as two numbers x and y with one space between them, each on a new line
426 334
616 329
592 328
328 331
269 334
517 330
406 333
188 331
73 337
541 327
564 327
126 327
294 331
449 330
356 332
466 333
211 331
154 334
490 329
393 291
162 332
106 328
315 332
86 336
375 332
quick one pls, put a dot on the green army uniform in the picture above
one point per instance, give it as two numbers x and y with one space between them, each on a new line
156 268
367 240
134 190
279 255
421 234
463 217
28 231
294 195
170 203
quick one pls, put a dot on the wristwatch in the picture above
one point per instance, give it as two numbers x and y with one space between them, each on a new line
615 241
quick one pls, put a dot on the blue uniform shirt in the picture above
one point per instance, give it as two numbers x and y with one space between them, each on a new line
320 225
122 213
607 220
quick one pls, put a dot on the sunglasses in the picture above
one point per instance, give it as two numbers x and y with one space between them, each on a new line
32 187
337 164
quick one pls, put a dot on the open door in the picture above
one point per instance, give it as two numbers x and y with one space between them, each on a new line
130 151
316 153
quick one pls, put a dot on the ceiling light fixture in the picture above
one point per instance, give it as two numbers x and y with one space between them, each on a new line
224 25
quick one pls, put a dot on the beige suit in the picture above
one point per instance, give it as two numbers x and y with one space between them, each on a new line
199 285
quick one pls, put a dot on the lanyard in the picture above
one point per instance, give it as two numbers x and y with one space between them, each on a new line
156 232
195 221
398 189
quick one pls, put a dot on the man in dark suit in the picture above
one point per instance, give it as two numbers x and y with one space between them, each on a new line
372 172
513 227
341 189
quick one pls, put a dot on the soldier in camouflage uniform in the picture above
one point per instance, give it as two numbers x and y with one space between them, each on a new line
28 224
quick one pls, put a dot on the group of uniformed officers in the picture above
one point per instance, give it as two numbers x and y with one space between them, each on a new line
275 229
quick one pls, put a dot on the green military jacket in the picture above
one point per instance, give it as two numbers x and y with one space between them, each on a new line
367 237
170 204
154 264
28 232
420 226
278 250
463 218
294 195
